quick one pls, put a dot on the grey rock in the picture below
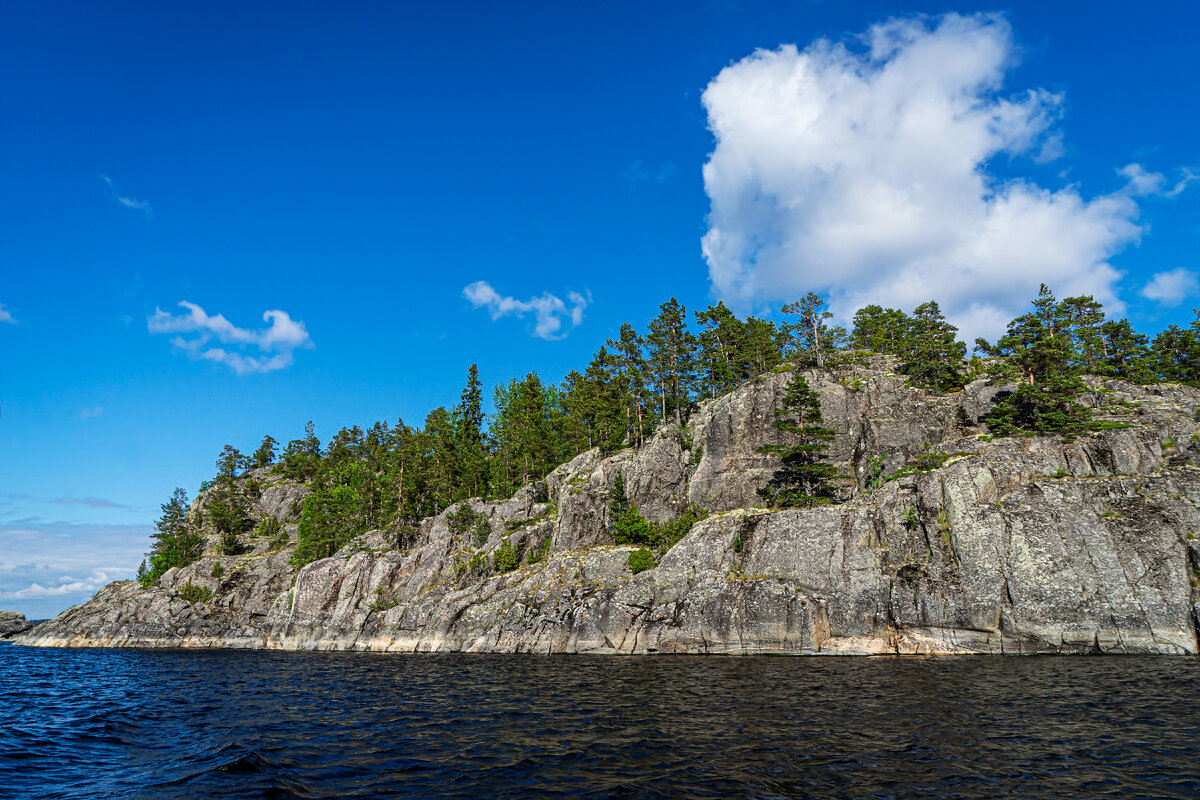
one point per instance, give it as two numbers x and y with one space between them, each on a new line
1014 545
12 623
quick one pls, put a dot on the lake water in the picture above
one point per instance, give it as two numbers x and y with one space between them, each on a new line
168 724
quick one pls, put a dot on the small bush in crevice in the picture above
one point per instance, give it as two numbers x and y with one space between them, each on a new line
506 558
641 560
218 571
195 594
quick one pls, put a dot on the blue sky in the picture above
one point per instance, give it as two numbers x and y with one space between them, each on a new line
358 167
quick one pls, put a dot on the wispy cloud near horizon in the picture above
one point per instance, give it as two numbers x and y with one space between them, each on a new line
549 311
275 344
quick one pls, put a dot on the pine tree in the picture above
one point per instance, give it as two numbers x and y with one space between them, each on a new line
672 359
227 506
264 456
804 479
1086 318
761 349
632 375
881 330
811 339
1175 353
933 355
1039 348
302 457
174 543
1126 352
720 344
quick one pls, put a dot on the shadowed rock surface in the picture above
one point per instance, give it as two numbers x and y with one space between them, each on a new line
12 623
1014 545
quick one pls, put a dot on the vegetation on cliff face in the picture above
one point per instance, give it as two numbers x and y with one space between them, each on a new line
392 475
804 479
174 543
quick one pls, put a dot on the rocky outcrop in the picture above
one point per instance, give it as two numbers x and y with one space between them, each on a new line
1011 545
12 623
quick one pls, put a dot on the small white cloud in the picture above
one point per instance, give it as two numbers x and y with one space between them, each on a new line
1171 288
1186 176
128 202
1152 184
549 310
88 413
6 315
1141 182
275 343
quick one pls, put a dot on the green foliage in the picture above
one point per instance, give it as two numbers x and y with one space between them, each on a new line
737 544
671 358
1040 347
329 519
175 543
804 479
630 527
478 567
228 506
874 477
926 344
195 594
506 558
218 571
641 560
264 456
911 519
535 556
810 340
1168 443
461 519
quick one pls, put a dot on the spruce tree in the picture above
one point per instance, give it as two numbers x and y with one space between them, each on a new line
471 447
804 479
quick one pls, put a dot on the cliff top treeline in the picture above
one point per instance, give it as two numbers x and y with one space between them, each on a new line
391 476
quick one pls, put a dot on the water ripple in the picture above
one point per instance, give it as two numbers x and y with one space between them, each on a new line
174 724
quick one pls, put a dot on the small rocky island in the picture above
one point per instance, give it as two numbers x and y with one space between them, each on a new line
12 623
943 537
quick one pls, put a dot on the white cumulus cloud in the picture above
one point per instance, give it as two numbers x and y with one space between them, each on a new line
196 329
861 171
6 315
550 312
1170 288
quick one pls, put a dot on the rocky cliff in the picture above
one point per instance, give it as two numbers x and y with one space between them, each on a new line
12 623
1012 545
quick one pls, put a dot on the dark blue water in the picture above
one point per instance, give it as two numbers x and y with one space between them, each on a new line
112 723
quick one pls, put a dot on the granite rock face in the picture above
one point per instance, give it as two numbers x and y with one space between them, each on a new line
12 623
1012 545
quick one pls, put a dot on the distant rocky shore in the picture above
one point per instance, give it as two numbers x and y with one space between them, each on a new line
12 623
1018 544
